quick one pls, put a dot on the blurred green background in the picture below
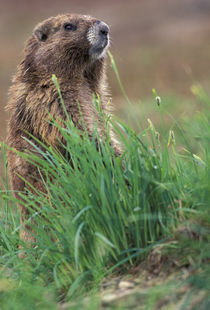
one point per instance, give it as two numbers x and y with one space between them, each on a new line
159 44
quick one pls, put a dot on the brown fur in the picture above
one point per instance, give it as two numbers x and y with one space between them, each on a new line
52 50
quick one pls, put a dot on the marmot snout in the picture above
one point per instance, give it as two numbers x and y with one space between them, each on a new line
98 36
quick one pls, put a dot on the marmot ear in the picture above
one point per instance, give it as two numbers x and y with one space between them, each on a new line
41 32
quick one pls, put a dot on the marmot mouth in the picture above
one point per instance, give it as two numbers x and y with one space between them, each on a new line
99 48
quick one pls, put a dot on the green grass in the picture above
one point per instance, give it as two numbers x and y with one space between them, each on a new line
102 215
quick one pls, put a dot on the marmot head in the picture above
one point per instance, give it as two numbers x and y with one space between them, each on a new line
65 45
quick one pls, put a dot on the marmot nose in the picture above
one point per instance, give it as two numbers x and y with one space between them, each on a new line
103 28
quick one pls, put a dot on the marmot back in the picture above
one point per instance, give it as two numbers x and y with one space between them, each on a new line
73 47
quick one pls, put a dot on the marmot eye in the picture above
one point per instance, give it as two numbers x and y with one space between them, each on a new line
69 27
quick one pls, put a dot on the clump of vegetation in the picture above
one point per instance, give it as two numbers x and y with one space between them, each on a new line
102 215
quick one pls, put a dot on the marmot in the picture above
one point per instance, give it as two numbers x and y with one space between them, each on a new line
73 47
